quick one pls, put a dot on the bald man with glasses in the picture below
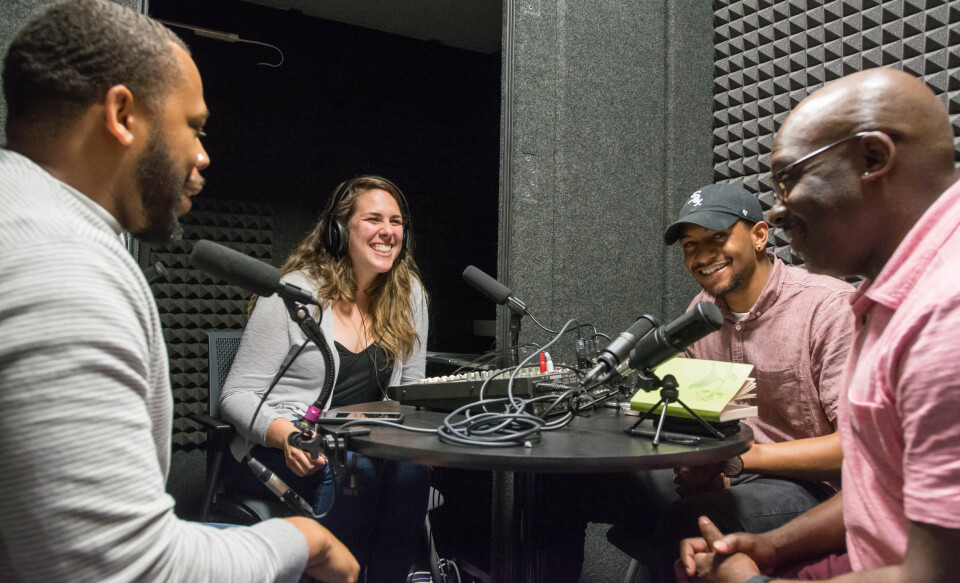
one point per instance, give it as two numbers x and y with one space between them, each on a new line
866 185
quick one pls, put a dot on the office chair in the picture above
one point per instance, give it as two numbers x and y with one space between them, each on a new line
233 506
229 506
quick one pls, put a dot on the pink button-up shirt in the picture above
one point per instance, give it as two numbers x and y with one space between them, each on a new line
797 336
900 415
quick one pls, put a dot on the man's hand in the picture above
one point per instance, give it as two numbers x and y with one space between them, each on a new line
328 559
300 462
699 479
714 557
337 565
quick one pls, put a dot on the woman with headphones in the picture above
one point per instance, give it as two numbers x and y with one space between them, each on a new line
358 262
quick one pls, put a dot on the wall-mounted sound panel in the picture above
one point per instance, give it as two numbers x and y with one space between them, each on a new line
191 303
770 54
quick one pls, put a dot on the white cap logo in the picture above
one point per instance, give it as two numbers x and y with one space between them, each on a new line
696 200
744 212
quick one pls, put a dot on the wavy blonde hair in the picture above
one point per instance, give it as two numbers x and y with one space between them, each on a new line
391 314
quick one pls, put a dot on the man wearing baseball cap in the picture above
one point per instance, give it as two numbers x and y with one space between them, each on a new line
795 328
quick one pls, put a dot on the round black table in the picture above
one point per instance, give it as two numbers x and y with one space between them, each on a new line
594 444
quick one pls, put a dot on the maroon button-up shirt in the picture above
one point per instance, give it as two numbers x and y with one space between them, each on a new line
797 336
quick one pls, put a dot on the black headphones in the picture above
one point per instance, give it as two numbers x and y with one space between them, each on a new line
335 237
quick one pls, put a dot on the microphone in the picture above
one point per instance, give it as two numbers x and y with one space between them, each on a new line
280 488
618 351
155 273
666 341
493 289
251 274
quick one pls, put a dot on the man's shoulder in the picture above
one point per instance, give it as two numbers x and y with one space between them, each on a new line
34 205
802 281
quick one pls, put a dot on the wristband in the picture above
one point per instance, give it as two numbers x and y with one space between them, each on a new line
759 579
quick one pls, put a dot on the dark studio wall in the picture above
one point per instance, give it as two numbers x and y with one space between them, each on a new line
345 101
349 101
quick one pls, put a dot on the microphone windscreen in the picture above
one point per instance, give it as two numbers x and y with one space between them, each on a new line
705 318
236 268
486 285
641 327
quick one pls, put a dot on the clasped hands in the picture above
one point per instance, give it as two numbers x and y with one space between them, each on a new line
716 558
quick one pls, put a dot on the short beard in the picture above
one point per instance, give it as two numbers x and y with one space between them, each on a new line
161 187
735 282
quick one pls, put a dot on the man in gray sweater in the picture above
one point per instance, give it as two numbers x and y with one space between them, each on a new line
106 113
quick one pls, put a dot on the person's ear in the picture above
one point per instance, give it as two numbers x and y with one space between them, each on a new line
760 234
879 153
119 114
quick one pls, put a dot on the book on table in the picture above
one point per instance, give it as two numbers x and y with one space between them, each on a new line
719 392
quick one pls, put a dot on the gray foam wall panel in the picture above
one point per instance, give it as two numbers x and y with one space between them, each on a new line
770 54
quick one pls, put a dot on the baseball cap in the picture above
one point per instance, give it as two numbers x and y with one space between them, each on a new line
715 207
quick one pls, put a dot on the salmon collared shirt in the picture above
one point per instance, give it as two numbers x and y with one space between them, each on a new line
900 414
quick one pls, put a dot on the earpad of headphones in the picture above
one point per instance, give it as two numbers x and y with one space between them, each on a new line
337 239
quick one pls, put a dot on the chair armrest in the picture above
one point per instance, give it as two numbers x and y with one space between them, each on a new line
209 422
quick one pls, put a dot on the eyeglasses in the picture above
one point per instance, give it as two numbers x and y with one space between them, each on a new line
780 191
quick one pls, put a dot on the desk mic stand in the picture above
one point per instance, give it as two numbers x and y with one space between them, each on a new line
517 310
669 393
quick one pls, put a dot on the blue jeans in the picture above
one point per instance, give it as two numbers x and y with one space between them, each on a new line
378 513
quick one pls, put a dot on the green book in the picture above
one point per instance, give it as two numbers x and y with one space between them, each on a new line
716 391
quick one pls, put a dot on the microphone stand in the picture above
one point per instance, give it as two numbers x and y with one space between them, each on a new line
310 437
313 438
300 314
517 310
669 393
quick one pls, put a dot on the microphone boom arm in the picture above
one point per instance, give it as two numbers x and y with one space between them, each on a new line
311 329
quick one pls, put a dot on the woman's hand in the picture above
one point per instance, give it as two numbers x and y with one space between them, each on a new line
300 462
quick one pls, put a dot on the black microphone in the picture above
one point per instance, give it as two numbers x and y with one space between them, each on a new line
155 273
493 289
618 351
279 488
666 341
246 272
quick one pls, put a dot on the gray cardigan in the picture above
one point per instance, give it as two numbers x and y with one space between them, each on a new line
270 336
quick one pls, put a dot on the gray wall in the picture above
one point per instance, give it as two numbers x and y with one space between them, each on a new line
15 14
770 55
609 132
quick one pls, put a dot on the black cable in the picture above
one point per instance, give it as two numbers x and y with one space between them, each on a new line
513 425
283 370
488 355
579 326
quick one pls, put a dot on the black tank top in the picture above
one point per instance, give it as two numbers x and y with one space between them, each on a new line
363 376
